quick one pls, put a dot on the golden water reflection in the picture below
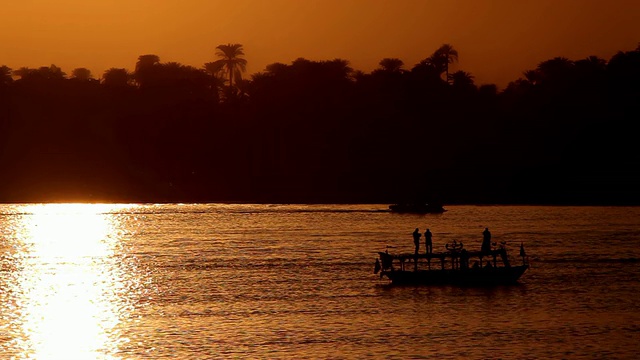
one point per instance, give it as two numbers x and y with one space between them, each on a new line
67 288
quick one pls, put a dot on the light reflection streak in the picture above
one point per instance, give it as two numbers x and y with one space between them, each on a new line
69 287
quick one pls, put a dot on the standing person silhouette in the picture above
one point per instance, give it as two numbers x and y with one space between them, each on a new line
416 239
427 242
486 240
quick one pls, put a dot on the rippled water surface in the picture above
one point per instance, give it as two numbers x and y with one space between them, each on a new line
296 281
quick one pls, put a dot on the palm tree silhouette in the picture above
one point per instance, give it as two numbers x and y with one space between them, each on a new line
230 59
462 79
391 64
5 75
23 72
81 74
215 69
146 70
115 77
147 61
444 56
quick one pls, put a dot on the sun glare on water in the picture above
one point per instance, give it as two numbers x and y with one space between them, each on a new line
68 283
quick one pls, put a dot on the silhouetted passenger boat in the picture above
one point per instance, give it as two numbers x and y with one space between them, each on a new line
419 208
451 267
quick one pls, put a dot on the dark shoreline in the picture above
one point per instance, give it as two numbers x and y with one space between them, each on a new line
320 132
229 202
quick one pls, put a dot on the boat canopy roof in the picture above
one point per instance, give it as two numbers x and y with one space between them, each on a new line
445 254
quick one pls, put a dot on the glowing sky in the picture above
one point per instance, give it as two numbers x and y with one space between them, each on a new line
496 40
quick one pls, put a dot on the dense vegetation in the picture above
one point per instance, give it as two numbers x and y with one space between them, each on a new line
318 131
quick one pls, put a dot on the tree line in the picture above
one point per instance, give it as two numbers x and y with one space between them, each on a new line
320 131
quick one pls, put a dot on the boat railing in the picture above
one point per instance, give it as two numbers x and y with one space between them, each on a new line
455 254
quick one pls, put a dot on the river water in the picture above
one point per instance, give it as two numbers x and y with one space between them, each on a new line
201 281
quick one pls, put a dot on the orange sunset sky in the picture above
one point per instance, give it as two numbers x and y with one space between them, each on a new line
496 40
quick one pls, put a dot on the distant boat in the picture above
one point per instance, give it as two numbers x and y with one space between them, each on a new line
451 267
419 208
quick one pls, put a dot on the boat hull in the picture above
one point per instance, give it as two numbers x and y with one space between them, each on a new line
468 277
